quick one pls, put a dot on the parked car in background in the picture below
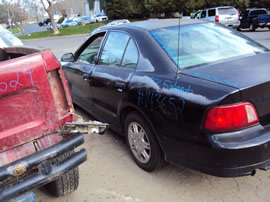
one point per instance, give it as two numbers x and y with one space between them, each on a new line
44 21
68 23
7 39
198 100
99 18
57 25
85 20
112 23
118 22
226 15
254 18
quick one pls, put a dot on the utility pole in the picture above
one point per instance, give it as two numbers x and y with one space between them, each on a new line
9 18
82 13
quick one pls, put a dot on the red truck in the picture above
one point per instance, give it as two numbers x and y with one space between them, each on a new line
37 132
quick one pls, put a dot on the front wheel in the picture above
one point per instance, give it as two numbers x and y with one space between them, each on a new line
142 143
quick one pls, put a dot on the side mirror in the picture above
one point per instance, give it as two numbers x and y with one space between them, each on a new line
68 57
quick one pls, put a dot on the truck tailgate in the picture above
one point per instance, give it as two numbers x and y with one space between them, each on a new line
26 102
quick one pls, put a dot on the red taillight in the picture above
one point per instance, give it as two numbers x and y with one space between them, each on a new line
239 18
217 18
231 117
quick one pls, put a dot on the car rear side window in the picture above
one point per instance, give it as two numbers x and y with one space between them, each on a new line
114 49
211 12
131 56
227 11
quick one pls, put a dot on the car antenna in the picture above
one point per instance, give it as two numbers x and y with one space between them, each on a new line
178 48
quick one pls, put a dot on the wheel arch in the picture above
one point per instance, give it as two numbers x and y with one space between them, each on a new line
125 110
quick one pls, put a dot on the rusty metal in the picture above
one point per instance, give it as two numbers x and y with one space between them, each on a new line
84 127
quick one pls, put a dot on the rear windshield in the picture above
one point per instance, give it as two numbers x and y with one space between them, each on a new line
204 43
227 11
258 12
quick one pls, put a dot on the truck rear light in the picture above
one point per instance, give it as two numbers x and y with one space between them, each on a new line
217 18
231 117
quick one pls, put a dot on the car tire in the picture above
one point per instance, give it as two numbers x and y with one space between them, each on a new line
238 29
145 150
66 183
252 27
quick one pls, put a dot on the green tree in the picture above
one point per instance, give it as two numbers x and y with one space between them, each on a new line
165 6
119 9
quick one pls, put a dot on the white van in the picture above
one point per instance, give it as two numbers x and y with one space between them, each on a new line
227 15
8 39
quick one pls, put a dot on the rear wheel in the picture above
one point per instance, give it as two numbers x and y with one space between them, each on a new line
142 143
251 27
66 183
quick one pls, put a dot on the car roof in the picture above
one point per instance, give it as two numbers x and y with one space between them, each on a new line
149 25
219 7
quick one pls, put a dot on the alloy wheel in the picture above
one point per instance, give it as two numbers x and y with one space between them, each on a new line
139 142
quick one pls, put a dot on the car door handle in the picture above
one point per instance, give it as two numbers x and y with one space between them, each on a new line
86 77
120 86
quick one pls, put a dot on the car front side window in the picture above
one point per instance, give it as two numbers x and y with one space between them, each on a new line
114 49
203 15
89 54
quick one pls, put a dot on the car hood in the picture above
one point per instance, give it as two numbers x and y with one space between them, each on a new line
241 73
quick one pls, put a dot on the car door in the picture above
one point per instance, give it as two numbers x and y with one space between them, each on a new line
110 78
244 19
79 71
211 15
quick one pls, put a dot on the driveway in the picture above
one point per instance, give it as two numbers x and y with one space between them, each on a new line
111 175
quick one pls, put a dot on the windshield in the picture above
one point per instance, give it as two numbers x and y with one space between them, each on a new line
227 11
204 43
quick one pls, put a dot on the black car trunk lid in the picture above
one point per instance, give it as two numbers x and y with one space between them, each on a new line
251 75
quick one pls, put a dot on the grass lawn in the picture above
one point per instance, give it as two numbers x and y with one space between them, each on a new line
15 30
65 31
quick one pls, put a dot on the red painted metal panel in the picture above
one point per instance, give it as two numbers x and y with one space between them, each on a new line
27 149
50 60
27 107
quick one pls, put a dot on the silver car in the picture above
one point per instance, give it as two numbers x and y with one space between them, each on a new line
226 15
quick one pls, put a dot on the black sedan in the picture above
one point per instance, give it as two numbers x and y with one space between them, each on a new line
197 94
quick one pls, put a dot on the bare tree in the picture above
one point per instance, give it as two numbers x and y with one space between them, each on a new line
48 7
3 14
63 7
34 9
17 14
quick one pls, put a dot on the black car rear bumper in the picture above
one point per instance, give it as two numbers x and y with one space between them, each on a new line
47 172
228 155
